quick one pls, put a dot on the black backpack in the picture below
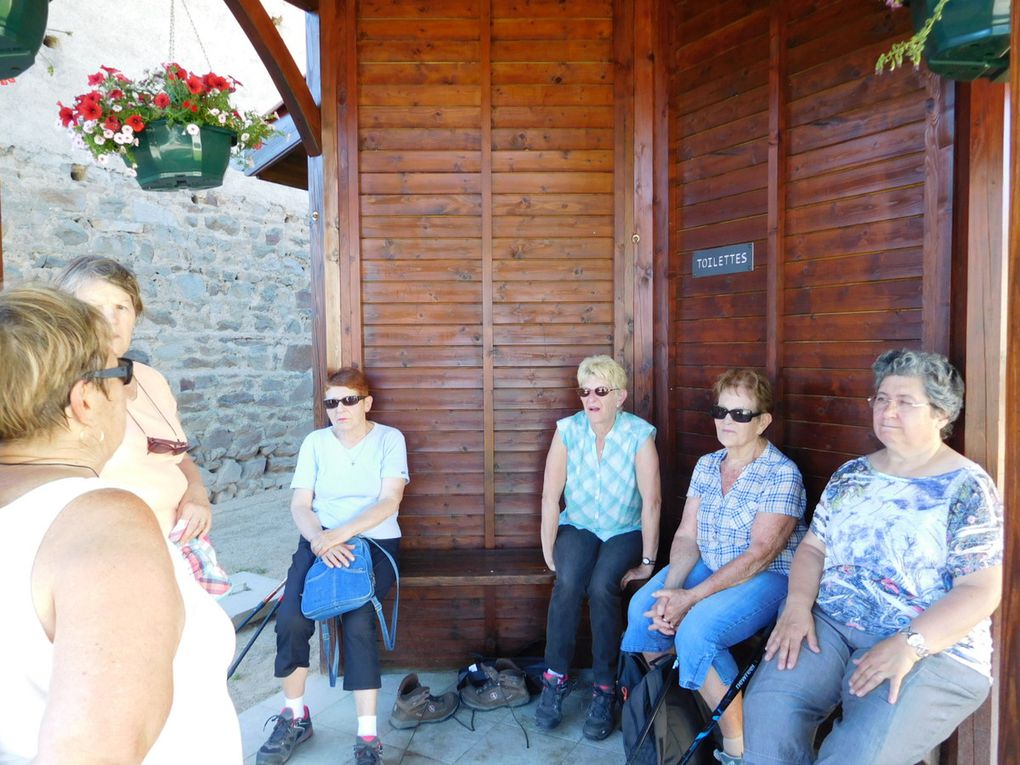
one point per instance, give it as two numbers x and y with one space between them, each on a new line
676 722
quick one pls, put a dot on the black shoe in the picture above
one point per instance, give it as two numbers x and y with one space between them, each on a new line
601 718
549 713
286 735
368 752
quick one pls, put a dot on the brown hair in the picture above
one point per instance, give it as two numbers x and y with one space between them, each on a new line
90 267
753 382
349 377
48 341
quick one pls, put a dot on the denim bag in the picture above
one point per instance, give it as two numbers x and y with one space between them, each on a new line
331 591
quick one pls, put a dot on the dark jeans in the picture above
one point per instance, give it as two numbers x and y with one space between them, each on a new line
585 565
359 628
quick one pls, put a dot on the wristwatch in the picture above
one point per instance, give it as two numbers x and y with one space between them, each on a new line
648 561
916 641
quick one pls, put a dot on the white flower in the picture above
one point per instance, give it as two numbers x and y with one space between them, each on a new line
245 137
223 119
192 129
132 173
214 111
136 142
78 142
127 130
99 140
118 138
107 133
102 159
118 107
89 126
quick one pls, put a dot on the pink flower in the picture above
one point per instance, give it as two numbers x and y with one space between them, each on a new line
162 100
96 79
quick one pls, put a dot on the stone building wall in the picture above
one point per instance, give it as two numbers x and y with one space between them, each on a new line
224 273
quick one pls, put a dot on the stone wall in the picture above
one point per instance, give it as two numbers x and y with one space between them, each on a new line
224 274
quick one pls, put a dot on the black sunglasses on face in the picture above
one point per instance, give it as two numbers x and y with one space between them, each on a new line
125 370
600 391
333 403
738 415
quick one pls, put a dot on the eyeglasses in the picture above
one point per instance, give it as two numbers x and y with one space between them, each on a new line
333 403
738 415
881 402
600 391
125 370
165 446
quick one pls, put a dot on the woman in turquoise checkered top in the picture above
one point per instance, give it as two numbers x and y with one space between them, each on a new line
603 463
730 558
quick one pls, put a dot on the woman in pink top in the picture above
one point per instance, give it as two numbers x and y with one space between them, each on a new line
152 461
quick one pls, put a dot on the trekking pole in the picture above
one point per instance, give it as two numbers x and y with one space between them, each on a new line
259 607
262 626
658 705
736 687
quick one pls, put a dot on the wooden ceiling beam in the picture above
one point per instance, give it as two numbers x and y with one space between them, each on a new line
309 6
282 69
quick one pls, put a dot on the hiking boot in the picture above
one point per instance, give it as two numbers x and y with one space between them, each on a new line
601 718
504 686
286 735
727 759
368 752
549 713
416 705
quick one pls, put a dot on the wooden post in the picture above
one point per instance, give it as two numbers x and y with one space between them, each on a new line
776 243
1009 645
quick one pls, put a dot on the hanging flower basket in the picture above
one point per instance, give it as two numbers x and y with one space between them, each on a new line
22 26
173 128
170 157
971 40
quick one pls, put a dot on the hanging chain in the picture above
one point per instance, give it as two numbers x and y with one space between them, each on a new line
187 11
173 26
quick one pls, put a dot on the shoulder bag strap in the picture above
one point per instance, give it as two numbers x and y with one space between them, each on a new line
389 635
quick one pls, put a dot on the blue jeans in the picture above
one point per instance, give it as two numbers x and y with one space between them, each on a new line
710 627
782 709
585 565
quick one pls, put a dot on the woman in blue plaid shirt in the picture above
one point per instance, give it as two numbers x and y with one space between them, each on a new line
730 558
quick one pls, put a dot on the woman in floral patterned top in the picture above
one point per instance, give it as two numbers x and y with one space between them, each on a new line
891 590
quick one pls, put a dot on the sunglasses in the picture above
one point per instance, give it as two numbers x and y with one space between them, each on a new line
333 403
600 391
125 370
165 446
738 415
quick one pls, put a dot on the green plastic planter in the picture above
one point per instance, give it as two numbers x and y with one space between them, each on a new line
22 26
970 42
169 158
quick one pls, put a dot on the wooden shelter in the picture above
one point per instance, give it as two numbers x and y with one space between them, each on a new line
499 188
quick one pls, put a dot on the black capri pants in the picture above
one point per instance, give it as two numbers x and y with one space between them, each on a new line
358 628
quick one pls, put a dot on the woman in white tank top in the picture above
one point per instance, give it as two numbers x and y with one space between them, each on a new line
113 653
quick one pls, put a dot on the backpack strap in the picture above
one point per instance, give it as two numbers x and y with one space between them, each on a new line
389 635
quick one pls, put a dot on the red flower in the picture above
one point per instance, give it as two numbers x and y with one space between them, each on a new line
194 108
186 104
175 72
112 123
116 93
135 123
89 110
93 95
110 70
66 115
97 78
162 100
195 85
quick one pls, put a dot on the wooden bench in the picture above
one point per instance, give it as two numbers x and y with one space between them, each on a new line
458 603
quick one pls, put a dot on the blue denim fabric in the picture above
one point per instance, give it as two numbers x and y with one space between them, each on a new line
711 627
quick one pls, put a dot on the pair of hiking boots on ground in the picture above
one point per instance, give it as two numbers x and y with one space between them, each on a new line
289 731
599 720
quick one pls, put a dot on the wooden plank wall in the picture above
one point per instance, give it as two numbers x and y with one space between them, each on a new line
859 192
486 172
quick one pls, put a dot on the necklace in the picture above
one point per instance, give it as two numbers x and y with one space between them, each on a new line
58 464
158 411
354 452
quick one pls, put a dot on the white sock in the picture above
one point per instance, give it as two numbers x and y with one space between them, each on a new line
366 726
734 747
297 706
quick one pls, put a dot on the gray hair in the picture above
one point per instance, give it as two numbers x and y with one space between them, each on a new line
942 383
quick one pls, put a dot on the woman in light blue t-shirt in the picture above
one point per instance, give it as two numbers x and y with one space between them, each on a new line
349 480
